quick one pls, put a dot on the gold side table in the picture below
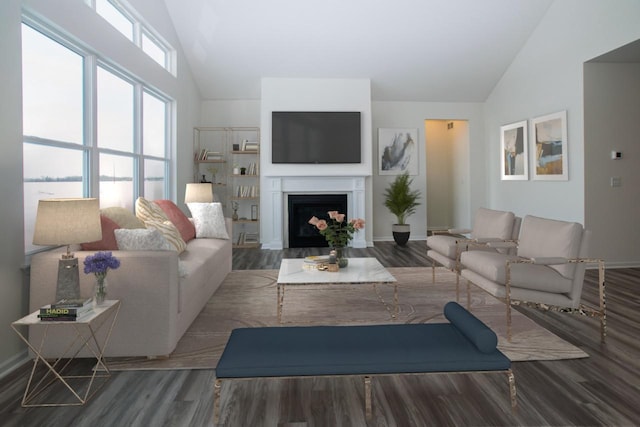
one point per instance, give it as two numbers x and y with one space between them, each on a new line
85 337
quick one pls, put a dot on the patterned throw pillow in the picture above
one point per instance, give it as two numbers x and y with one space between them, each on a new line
146 210
209 220
170 232
141 239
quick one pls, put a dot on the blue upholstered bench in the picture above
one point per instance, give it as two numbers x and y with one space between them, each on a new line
463 345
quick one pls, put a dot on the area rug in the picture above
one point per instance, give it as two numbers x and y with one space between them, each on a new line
247 298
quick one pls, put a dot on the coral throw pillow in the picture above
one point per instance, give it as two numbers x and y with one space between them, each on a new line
108 241
178 218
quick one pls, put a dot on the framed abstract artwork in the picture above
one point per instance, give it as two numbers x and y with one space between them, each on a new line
549 147
398 151
514 151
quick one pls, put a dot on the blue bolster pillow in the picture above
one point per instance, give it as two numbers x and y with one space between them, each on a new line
471 327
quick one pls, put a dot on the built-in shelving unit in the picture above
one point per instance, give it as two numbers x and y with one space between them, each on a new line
229 157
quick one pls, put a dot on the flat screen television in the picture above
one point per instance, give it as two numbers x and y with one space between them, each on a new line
315 137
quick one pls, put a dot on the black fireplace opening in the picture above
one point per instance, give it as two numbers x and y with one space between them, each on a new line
301 207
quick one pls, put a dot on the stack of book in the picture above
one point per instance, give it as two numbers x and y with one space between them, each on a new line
68 310
316 259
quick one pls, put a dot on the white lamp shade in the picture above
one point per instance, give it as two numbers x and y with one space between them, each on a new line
199 193
67 221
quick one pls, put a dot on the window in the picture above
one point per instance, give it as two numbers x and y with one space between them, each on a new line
154 113
154 50
116 181
115 147
115 17
115 105
52 89
125 19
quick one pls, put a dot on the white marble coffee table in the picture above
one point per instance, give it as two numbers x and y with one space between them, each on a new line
360 271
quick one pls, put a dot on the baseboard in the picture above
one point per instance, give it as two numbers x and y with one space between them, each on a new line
13 363
390 238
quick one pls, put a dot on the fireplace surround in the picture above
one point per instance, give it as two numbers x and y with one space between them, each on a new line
276 192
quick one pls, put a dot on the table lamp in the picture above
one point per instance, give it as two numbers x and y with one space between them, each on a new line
65 222
199 193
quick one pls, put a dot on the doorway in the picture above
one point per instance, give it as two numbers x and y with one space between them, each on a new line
447 148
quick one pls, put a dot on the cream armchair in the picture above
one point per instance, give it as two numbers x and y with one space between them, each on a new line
488 226
547 270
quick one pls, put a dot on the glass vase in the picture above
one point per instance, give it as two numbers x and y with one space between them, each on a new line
100 291
341 256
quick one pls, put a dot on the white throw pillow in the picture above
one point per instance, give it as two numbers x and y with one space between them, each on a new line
209 220
141 239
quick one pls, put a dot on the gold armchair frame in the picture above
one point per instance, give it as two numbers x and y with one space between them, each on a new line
599 312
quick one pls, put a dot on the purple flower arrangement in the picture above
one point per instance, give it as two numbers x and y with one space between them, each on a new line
100 263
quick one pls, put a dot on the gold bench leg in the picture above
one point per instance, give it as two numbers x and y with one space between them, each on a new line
367 396
512 390
216 401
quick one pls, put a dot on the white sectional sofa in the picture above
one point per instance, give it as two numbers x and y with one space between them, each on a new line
161 293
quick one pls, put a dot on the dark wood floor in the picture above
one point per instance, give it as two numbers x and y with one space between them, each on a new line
602 390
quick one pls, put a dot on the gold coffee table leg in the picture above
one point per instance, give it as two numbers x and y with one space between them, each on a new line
280 301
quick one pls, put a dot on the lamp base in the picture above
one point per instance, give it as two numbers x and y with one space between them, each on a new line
68 279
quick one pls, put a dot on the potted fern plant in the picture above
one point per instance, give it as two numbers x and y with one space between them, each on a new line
401 201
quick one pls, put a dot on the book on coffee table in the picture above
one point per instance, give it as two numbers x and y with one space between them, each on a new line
316 259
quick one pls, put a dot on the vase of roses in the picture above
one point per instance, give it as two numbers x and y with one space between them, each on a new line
338 232
99 264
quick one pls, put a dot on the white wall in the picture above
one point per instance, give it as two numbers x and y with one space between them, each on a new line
230 113
546 77
77 20
612 110
470 182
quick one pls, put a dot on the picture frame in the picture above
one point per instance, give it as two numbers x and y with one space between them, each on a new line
398 151
549 147
254 212
514 151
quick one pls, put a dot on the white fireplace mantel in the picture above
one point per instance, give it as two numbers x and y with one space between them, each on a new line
275 190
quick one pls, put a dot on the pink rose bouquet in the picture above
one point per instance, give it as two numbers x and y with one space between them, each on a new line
337 230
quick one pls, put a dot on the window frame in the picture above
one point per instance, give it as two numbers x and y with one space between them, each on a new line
140 27
89 145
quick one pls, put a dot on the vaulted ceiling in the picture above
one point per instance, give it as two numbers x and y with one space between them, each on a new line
412 50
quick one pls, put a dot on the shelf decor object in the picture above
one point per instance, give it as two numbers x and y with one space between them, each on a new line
62 222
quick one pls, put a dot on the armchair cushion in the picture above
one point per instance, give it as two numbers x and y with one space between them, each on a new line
445 245
493 224
542 237
493 266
